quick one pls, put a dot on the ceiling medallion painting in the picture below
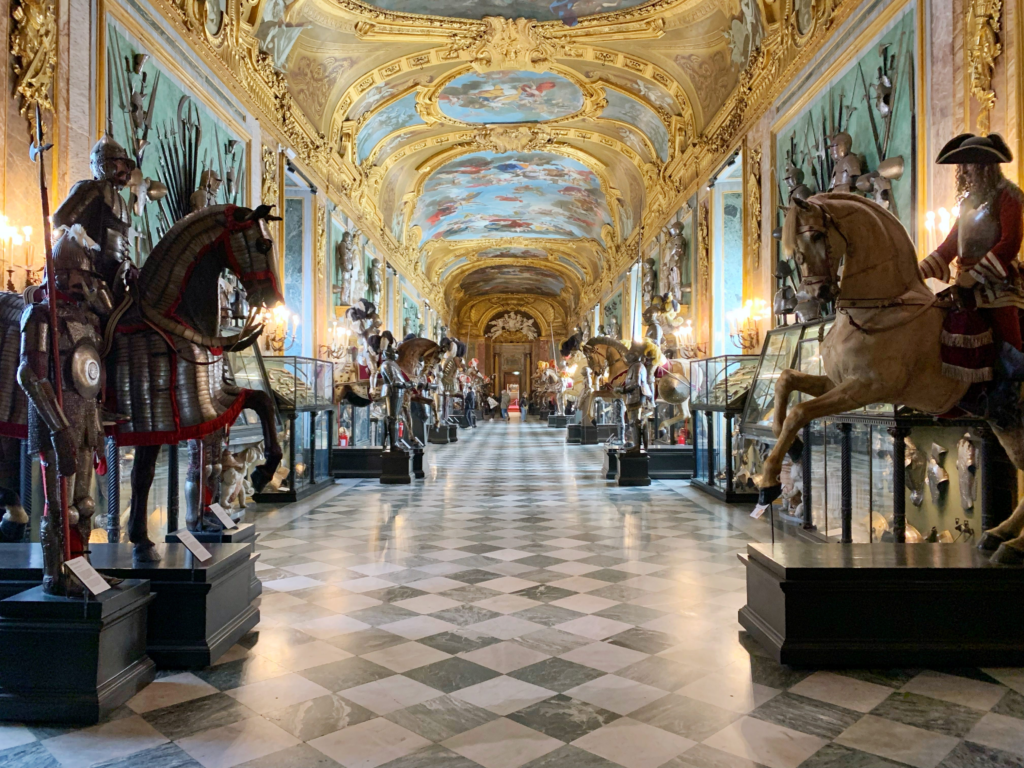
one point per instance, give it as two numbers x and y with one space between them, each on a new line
485 195
394 117
513 253
568 11
510 97
512 278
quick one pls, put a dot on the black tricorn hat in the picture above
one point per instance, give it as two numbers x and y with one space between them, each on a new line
968 149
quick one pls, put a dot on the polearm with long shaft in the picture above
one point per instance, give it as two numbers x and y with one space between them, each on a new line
37 153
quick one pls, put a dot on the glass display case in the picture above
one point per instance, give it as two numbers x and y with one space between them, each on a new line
721 382
301 383
726 462
778 354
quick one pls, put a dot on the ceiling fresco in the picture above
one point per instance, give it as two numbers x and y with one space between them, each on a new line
512 278
510 97
626 109
513 253
568 11
533 194
394 117
491 154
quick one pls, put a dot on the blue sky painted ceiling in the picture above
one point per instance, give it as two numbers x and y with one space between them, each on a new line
394 117
533 194
569 11
509 97
513 253
628 110
512 278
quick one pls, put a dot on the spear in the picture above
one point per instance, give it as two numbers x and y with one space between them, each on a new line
37 153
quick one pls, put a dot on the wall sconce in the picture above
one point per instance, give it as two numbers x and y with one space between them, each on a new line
937 225
743 324
275 323
338 347
689 348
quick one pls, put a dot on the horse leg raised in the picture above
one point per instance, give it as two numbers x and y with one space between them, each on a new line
791 381
1006 540
261 404
839 399
143 472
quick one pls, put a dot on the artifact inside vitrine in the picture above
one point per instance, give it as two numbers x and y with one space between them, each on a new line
938 478
967 470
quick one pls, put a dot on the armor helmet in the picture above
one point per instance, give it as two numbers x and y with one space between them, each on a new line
104 156
840 144
209 180
74 270
794 175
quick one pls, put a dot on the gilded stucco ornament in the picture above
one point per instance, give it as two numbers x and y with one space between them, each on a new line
320 265
983 48
753 160
269 189
33 45
501 139
503 44
704 252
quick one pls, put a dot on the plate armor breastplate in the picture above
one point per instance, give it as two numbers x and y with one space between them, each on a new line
978 230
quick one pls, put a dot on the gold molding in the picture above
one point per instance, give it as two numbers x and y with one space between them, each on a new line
753 194
982 47
33 49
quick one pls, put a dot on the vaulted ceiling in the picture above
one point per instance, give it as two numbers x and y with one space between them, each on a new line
510 149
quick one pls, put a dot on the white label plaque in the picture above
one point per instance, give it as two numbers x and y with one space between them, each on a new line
88 575
185 537
223 516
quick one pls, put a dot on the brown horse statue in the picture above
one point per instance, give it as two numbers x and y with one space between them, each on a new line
884 346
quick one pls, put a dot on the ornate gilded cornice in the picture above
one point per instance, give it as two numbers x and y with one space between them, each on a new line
983 47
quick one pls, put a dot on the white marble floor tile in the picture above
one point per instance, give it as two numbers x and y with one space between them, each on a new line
842 691
276 693
108 741
634 744
369 744
896 741
766 743
502 743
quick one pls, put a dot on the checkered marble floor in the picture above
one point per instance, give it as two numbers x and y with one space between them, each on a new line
515 610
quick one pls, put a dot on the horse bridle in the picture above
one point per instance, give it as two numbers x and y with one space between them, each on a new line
828 225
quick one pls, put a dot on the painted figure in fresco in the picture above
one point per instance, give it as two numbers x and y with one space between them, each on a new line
206 195
98 206
847 164
277 36
66 439
984 242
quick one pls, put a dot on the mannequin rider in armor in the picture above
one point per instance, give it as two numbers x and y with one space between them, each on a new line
985 241
66 438
97 204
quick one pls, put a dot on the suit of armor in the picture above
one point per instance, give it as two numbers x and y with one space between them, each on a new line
393 389
65 437
97 205
638 397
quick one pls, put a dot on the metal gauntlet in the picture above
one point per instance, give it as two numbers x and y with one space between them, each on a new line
40 393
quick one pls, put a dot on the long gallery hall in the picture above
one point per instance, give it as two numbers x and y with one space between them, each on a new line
512 384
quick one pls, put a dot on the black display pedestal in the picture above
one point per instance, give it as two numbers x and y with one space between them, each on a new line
355 462
463 420
453 433
201 609
883 605
438 435
72 660
574 434
558 422
611 463
671 462
633 469
245 533
588 435
604 431
395 468
417 463
21 568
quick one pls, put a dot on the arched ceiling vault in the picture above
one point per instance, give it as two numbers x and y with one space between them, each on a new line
512 157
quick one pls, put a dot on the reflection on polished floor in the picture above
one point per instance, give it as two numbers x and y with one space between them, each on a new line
512 610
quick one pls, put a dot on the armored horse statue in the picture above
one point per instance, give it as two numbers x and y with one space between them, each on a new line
885 344
164 354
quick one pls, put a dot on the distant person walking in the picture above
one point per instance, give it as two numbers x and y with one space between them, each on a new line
469 406
506 398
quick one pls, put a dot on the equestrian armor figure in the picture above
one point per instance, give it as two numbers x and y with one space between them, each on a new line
97 205
394 386
638 396
67 437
